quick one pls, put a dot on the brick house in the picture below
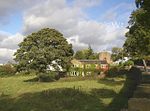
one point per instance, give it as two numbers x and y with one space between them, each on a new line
86 67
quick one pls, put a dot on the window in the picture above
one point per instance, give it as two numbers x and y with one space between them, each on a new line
75 73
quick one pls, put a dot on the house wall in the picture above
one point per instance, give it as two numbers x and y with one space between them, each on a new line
81 68
105 56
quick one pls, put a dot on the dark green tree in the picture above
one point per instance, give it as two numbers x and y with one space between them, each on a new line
86 54
79 55
90 52
137 43
43 49
117 53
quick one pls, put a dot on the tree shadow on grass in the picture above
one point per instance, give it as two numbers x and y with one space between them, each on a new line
6 76
110 82
120 101
103 93
146 79
36 79
62 99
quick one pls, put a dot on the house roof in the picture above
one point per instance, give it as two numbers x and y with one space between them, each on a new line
93 61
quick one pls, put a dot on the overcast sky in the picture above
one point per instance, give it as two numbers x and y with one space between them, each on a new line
100 23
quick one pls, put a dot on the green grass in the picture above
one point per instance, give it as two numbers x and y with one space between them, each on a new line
62 95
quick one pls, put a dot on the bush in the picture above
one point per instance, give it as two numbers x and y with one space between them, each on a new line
7 69
128 63
116 71
57 77
44 78
48 77
61 74
112 71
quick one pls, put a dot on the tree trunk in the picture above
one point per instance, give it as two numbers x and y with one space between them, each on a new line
145 65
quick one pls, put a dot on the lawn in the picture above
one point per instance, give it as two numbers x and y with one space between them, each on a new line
16 94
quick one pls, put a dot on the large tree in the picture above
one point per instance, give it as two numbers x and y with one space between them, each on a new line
137 43
43 49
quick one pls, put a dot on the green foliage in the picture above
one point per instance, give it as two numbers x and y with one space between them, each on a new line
117 53
7 69
92 69
112 72
94 56
115 71
79 55
41 49
86 54
48 77
137 43
128 63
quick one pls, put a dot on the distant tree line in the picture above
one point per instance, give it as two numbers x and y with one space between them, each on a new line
86 54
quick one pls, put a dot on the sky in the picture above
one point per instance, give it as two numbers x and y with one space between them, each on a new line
100 23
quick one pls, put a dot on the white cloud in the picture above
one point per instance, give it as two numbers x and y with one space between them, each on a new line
11 42
86 3
51 14
8 7
6 55
76 43
4 35
8 45
99 36
70 20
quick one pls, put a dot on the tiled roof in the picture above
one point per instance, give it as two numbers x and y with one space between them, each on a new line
93 61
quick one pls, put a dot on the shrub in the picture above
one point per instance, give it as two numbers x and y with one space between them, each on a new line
112 71
57 77
7 69
97 71
61 74
48 77
129 63
116 71
42 77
